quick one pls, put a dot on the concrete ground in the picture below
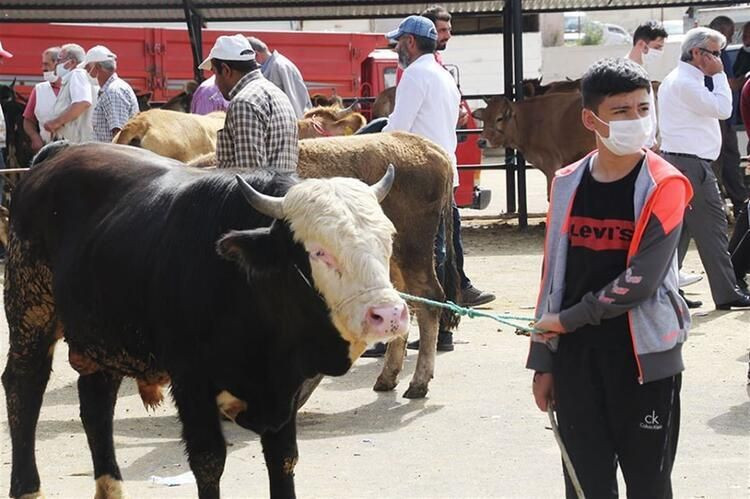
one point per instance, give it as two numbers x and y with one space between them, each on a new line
477 434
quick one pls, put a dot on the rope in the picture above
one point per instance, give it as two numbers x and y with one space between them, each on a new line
472 313
565 457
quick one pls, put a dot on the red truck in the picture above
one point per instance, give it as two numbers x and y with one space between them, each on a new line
159 60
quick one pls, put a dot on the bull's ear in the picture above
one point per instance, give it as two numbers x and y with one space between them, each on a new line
254 248
478 113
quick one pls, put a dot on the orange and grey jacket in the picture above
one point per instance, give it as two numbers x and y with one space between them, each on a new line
648 288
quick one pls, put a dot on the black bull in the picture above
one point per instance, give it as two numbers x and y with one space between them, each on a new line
115 249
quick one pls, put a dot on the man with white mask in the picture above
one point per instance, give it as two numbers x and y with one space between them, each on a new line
39 108
116 102
612 321
648 48
74 104
691 140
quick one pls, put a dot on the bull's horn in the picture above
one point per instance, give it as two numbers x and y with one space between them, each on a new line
347 110
382 186
267 205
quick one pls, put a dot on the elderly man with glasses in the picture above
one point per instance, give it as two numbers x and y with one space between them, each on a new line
691 140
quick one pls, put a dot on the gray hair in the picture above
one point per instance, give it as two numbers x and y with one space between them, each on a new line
698 38
54 53
73 51
108 65
258 45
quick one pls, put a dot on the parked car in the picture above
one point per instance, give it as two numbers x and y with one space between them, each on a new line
615 35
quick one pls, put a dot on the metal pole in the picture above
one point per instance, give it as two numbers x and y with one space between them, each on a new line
510 179
523 215
195 26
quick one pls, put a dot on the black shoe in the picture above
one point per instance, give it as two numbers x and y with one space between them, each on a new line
444 342
691 303
377 350
473 297
742 302
742 283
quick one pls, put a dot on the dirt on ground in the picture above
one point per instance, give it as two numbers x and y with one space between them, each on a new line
477 434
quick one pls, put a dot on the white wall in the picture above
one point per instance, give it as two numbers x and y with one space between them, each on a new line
559 63
480 60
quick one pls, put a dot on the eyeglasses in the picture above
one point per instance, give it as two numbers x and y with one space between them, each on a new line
714 53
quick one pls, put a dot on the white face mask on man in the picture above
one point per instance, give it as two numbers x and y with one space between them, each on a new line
49 76
61 70
652 56
626 136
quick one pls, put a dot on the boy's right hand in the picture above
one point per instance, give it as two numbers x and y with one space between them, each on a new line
543 388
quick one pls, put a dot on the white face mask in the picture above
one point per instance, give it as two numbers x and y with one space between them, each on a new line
49 76
626 136
652 56
61 70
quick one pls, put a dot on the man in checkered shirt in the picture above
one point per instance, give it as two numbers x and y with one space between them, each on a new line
261 128
116 103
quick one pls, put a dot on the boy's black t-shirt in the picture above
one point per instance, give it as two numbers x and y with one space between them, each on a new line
600 229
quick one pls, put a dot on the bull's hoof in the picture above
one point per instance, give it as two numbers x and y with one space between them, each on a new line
33 495
383 385
416 392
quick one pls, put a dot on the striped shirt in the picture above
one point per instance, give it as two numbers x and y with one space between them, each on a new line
260 129
116 105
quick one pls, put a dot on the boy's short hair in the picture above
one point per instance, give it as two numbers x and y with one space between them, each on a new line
612 76
649 31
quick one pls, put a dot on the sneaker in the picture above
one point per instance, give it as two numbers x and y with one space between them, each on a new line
444 342
473 297
686 279
377 350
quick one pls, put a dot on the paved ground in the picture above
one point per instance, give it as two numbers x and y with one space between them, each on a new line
478 434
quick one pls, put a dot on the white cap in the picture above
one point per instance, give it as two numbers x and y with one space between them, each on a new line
98 53
229 48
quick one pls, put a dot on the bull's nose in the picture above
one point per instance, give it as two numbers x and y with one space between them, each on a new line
388 320
482 143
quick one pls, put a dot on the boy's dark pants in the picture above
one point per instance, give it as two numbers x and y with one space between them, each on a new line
606 418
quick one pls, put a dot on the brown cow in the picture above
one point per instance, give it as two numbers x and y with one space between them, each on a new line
329 121
326 101
171 133
421 194
546 129
383 105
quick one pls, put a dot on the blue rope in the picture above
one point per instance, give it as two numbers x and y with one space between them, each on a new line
472 313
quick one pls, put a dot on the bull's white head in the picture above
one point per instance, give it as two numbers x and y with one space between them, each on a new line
348 238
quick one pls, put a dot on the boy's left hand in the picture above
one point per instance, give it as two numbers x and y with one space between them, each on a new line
550 324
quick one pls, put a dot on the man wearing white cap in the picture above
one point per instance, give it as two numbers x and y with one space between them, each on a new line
74 104
261 128
116 102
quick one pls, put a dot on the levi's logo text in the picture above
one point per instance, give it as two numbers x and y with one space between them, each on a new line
600 235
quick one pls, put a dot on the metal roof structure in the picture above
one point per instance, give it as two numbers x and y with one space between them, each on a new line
259 10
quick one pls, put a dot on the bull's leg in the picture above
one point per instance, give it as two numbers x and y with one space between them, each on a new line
280 451
428 320
97 393
201 431
394 355
30 312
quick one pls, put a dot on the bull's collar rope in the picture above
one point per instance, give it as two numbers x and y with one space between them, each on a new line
473 313
448 305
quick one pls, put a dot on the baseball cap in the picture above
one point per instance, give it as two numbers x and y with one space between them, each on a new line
98 53
4 53
414 25
229 48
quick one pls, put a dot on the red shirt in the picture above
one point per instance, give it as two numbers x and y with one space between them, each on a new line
28 111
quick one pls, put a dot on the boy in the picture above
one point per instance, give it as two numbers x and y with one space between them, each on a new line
610 358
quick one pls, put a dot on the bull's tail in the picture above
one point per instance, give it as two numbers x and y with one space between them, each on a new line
451 282
49 151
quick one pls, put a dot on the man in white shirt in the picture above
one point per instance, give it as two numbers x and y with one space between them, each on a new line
691 140
76 100
283 73
39 108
